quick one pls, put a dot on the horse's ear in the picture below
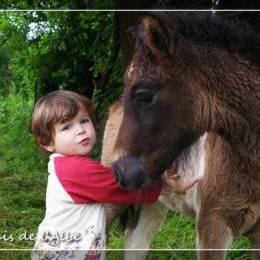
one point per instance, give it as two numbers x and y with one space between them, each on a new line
152 34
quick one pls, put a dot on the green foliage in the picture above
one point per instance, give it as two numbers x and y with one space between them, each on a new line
12 32
45 51
65 4
22 172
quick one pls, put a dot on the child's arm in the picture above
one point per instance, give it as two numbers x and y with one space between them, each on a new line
87 181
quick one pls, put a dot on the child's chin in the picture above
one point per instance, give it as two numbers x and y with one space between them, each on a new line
84 153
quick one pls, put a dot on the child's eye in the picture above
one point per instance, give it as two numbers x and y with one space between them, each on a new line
65 127
84 121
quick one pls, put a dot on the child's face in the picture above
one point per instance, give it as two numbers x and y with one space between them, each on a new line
75 137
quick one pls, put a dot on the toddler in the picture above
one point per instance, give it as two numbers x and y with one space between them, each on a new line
74 222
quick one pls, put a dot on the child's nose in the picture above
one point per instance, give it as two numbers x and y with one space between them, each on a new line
81 129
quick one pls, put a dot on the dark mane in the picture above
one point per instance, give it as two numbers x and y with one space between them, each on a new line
208 29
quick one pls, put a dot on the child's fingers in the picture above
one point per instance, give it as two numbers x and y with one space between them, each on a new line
175 176
191 183
174 184
178 185
167 176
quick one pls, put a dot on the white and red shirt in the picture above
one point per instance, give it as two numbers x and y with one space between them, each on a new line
75 215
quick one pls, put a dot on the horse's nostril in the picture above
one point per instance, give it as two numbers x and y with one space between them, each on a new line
130 173
139 179
116 171
123 184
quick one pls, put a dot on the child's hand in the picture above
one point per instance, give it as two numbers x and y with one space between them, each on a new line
175 184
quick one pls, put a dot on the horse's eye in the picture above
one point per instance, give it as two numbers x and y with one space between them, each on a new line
143 96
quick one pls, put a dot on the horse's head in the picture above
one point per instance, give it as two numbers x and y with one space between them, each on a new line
162 106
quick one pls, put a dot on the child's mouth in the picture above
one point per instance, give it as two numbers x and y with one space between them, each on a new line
85 141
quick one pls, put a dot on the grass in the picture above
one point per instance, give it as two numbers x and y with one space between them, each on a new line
23 177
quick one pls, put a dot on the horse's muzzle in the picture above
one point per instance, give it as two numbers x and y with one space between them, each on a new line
131 174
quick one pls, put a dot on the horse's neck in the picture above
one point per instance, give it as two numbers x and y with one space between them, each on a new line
236 110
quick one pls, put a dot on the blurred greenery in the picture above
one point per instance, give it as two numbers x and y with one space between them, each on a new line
45 51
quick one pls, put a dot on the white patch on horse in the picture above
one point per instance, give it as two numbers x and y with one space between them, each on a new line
152 216
191 164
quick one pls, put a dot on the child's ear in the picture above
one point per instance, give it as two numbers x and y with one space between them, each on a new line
50 148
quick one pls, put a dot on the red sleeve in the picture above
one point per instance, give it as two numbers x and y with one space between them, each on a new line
87 181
